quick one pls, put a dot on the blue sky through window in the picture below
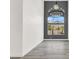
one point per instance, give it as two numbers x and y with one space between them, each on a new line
55 19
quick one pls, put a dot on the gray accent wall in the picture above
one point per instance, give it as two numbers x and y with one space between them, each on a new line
47 6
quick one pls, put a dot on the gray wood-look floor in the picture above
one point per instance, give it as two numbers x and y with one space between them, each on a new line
49 49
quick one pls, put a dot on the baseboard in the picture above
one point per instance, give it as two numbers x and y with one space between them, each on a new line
15 57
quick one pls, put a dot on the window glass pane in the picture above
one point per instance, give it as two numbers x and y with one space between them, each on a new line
55 19
54 25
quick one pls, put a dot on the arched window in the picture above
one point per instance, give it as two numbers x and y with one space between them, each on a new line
55 19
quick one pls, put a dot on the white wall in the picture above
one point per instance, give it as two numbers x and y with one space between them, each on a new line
26 26
15 28
32 24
